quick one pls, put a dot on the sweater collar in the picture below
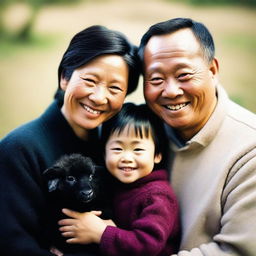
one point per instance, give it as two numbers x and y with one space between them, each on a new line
155 175
54 120
208 132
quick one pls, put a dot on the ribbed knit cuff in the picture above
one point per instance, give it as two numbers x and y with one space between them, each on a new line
107 240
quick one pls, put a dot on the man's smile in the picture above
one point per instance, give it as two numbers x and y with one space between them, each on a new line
176 106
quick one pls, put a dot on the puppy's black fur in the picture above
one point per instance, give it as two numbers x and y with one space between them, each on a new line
75 182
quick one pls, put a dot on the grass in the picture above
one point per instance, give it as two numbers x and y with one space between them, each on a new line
245 41
216 3
10 46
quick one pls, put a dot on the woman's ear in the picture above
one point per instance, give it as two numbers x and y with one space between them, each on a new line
158 158
63 83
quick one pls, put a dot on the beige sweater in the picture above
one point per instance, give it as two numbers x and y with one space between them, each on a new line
214 177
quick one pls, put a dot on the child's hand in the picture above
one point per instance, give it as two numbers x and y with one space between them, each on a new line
110 223
55 251
82 228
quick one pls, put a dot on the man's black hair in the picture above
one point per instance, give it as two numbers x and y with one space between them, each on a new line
199 30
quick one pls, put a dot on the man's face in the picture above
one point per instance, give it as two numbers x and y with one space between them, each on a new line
179 83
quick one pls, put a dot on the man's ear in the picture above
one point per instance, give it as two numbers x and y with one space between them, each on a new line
158 158
63 83
214 67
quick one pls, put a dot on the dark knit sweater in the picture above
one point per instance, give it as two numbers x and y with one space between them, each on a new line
24 154
147 219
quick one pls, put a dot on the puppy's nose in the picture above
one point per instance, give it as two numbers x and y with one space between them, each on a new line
86 195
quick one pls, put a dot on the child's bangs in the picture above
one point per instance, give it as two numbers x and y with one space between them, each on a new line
140 130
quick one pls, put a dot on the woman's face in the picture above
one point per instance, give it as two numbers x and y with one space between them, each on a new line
94 93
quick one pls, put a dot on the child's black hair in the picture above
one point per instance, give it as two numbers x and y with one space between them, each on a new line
144 122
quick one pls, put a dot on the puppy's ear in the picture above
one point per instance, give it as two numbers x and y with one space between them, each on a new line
90 165
52 175
53 184
52 172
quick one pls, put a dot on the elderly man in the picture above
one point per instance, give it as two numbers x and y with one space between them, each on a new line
213 140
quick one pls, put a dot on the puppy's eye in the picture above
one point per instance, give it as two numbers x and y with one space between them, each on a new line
70 178
90 177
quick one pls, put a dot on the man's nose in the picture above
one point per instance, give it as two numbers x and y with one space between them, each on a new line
99 95
172 89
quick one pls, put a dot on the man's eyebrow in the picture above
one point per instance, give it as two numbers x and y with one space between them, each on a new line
159 67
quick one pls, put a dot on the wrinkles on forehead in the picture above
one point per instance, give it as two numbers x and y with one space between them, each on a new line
180 43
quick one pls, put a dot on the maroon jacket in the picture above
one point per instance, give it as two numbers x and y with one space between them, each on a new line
147 218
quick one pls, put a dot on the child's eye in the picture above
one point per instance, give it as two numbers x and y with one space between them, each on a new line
116 149
139 149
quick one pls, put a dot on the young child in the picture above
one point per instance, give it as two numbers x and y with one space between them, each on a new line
145 208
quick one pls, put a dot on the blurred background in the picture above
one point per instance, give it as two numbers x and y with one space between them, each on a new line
35 33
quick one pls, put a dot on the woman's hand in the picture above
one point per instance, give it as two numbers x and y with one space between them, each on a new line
82 228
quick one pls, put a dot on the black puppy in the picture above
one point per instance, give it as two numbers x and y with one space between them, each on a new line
74 182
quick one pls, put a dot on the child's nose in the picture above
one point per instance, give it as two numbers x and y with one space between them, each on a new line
127 157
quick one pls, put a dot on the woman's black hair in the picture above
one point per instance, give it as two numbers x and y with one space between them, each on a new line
144 122
199 30
95 41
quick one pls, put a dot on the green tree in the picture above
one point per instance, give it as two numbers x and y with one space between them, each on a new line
3 6
25 33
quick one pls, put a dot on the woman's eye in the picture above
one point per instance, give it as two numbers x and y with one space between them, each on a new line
115 88
89 80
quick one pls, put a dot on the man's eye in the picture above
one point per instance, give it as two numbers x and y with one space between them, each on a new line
184 76
156 80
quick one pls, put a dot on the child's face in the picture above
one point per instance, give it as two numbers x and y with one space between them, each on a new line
129 157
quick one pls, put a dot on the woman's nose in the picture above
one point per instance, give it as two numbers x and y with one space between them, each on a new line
99 95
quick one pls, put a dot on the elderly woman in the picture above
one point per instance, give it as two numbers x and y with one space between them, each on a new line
98 69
